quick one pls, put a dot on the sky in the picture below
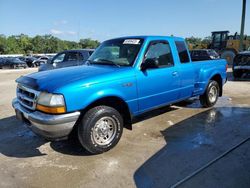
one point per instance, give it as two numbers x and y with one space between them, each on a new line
105 19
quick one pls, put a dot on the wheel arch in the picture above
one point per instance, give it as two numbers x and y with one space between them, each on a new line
219 80
115 102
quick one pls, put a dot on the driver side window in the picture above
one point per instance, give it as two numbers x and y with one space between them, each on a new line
160 53
59 58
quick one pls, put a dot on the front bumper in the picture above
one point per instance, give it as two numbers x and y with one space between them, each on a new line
52 127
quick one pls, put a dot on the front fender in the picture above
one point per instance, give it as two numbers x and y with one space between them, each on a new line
102 94
79 97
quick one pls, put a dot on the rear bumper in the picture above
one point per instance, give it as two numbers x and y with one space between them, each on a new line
52 127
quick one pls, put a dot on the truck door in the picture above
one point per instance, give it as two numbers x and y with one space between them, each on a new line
158 84
81 58
71 59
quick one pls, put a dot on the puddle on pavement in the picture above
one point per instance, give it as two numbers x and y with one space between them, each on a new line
193 142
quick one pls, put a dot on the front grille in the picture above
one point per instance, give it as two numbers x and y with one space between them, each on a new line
243 60
27 97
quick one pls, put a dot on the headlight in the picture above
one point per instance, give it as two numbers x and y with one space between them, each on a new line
51 103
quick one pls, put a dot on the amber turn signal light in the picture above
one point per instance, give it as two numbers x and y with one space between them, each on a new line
51 110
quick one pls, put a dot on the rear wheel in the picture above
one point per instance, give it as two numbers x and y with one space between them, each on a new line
210 97
100 129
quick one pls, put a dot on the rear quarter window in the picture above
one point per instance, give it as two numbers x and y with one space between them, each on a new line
182 51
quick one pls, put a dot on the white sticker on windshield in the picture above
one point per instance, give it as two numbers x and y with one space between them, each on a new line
131 41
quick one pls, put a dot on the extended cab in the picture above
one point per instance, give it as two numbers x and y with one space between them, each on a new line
123 78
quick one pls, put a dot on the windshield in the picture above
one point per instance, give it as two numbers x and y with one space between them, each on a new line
119 52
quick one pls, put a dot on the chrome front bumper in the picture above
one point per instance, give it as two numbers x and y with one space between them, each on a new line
52 127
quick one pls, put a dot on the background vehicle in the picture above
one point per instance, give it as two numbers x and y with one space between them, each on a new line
2 61
66 59
29 60
40 60
241 64
203 54
227 45
124 77
13 62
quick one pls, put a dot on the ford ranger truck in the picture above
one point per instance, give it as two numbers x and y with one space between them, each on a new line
122 79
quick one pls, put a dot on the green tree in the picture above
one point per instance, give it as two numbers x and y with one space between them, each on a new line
3 44
207 40
12 45
193 41
198 43
88 43
23 44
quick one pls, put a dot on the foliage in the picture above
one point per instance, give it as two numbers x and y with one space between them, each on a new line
88 43
23 44
198 43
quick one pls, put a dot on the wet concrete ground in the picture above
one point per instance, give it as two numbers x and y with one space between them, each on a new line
164 147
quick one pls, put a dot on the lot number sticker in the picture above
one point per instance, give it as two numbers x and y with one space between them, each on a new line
131 41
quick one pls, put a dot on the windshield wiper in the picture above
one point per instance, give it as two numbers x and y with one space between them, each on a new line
105 62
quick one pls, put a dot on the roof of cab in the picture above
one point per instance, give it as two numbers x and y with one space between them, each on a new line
151 37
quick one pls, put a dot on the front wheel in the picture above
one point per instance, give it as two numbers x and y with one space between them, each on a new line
100 129
210 97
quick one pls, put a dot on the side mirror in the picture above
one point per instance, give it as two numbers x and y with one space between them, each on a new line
149 64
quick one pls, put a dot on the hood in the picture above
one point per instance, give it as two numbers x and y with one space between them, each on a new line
54 79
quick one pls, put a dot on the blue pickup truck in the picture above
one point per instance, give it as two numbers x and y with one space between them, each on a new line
122 79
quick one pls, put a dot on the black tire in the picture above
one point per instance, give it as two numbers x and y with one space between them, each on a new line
237 74
206 100
88 128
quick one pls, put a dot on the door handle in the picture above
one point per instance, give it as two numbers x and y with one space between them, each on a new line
175 73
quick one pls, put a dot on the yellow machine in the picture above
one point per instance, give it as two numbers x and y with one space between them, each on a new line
227 45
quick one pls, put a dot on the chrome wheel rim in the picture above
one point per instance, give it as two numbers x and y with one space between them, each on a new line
212 95
105 130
